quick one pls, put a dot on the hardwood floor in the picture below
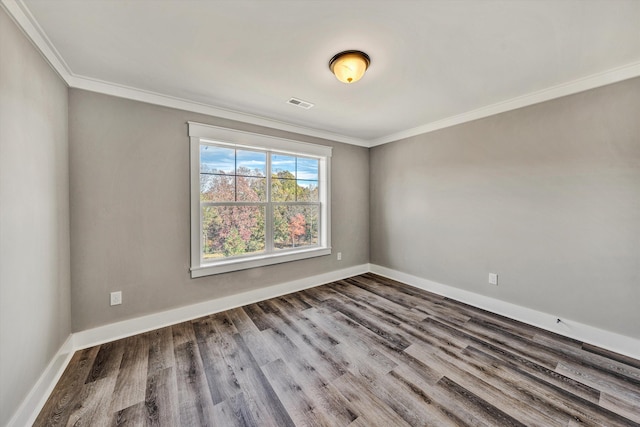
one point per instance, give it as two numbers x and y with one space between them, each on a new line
364 351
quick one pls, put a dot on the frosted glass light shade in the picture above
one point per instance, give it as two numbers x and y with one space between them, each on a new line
349 66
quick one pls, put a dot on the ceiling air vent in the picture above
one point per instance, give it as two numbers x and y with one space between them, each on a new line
300 103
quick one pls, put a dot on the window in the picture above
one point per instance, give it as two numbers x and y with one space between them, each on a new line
255 200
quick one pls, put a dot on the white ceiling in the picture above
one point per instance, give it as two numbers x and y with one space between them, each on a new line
431 61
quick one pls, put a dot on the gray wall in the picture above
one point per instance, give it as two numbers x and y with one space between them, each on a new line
34 216
546 196
130 211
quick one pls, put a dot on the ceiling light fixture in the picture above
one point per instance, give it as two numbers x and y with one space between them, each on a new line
349 66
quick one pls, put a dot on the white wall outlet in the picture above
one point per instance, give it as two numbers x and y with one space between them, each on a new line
339 256
493 279
116 298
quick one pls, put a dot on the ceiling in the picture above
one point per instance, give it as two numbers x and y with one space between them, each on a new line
433 63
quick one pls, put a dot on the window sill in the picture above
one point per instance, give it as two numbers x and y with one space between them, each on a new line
256 261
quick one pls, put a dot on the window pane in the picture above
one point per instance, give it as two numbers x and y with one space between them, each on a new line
251 163
295 226
232 231
217 159
251 189
217 188
307 169
307 191
283 166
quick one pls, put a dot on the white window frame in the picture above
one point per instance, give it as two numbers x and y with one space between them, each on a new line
202 133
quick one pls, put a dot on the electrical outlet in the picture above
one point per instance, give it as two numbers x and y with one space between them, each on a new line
339 256
493 279
116 298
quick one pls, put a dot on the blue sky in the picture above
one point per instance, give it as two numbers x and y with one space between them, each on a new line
223 159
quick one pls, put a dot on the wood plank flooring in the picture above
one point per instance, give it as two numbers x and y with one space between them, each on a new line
365 351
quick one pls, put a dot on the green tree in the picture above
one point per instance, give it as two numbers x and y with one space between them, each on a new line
283 187
234 244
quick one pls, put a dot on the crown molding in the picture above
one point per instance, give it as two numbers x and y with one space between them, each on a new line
121 91
20 13
580 85
22 16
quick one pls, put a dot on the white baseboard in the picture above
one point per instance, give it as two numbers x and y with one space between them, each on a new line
33 403
611 341
153 321
37 397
